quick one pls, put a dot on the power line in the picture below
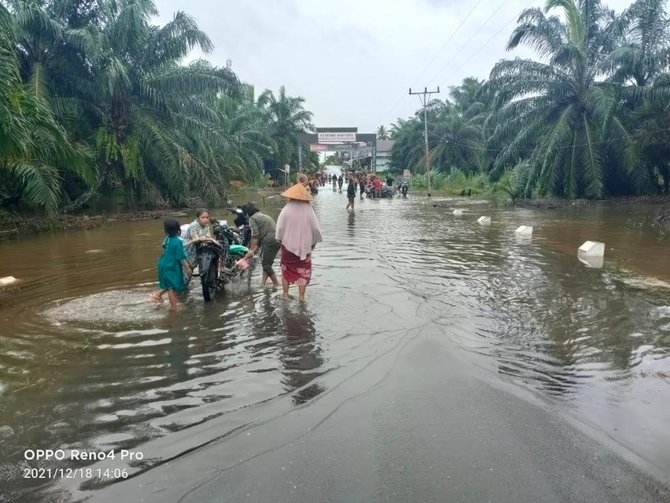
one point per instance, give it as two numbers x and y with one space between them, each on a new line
456 54
468 41
467 16
424 100
469 58
448 40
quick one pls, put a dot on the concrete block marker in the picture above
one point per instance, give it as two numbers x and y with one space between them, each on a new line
592 254
484 220
592 249
458 213
524 231
8 280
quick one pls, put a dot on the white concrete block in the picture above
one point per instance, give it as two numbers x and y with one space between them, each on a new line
525 231
592 249
592 261
458 213
484 220
8 280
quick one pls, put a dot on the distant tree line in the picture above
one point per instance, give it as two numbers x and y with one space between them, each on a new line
589 118
95 105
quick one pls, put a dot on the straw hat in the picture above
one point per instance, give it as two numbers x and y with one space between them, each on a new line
297 192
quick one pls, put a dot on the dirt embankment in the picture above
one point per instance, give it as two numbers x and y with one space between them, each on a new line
12 227
660 221
551 202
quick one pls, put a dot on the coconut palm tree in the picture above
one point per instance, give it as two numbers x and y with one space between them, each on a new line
382 133
559 104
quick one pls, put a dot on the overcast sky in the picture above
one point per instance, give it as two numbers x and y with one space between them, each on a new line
354 60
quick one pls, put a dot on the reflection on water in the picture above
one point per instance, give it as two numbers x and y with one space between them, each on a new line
87 362
300 354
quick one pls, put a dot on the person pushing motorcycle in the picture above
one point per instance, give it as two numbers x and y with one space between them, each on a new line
263 238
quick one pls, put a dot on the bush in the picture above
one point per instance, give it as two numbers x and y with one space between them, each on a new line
454 183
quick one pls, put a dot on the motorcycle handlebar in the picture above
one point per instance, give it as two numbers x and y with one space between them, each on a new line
209 243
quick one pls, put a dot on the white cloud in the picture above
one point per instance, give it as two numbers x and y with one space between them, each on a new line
354 61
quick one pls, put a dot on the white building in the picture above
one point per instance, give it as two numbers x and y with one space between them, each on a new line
384 148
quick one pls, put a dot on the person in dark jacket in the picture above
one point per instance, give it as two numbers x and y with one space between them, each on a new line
351 192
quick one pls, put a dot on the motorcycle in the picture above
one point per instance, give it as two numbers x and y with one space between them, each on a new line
403 189
242 228
385 192
217 261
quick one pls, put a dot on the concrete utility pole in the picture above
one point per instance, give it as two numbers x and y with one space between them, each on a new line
423 96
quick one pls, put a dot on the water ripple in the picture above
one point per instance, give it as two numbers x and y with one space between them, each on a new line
87 361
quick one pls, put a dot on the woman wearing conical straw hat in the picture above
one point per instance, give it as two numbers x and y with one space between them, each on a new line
298 233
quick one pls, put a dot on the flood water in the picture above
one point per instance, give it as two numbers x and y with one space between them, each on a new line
87 362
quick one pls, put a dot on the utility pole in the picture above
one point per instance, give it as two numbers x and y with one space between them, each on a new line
424 96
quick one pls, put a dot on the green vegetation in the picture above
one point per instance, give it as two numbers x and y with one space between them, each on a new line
96 108
382 133
587 119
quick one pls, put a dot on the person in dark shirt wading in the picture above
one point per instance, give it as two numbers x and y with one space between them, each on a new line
263 238
351 192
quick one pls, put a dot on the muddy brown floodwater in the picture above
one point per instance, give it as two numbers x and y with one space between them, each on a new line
87 363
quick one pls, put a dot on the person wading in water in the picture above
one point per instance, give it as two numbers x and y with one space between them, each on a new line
262 237
351 192
298 233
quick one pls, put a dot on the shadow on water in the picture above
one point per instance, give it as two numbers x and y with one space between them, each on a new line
87 362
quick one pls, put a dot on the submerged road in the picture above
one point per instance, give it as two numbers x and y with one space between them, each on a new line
415 426
436 360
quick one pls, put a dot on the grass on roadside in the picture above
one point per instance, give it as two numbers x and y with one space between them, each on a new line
506 190
454 184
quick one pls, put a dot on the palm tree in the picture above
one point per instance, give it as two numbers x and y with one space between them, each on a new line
467 98
94 100
408 150
382 133
152 111
640 63
559 105
247 135
649 152
287 118
460 128
34 149
643 53
460 142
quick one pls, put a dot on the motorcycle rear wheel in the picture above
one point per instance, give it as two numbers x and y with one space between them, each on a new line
209 283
